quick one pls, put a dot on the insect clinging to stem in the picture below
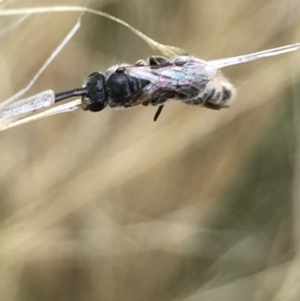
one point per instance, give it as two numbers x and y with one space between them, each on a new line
175 75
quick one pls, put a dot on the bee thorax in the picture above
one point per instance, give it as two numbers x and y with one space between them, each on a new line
122 89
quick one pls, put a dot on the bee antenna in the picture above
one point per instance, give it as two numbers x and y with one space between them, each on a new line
158 112
70 93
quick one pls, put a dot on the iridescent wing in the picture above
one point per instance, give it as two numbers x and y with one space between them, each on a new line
184 75
166 77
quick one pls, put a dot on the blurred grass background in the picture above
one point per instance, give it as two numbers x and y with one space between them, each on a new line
201 205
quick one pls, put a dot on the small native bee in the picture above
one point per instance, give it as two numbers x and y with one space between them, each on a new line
155 81
186 78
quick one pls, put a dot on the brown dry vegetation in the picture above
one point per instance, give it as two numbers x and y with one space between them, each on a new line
201 205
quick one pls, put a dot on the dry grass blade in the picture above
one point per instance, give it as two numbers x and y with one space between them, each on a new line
113 206
168 51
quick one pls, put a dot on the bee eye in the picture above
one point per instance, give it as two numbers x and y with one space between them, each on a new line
99 86
96 95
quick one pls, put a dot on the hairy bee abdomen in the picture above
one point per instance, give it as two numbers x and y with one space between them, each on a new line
217 99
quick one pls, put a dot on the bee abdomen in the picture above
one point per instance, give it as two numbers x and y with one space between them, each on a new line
215 98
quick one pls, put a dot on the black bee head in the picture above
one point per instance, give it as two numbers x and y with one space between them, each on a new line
95 98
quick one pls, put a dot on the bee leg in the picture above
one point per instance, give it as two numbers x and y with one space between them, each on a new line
158 112
155 60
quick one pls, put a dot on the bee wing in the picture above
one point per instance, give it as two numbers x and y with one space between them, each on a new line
144 72
221 63
181 77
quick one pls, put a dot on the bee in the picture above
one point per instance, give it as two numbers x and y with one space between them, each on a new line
155 81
